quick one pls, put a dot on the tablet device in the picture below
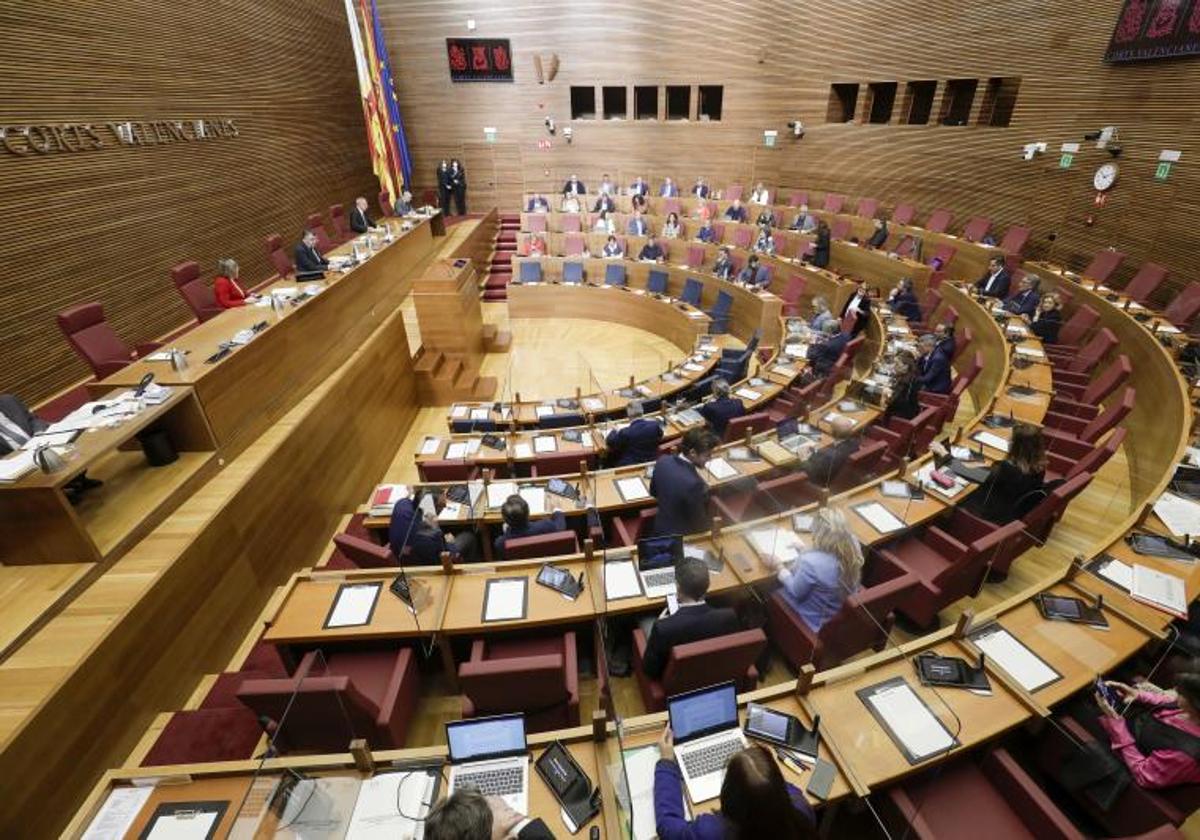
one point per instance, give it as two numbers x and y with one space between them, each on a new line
562 488
780 728
559 580
568 782
493 442
1066 608
949 671
1109 694
1159 546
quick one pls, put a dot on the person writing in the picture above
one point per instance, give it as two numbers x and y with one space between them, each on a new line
18 425
310 265
681 492
903 300
694 621
515 513
638 442
1048 319
651 251
225 285
817 582
1013 486
879 235
1158 736
724 407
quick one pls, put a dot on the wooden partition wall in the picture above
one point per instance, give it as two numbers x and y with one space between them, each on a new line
107 223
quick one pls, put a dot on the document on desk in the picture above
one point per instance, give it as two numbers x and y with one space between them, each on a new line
775 543
1180 515
748 394
639 770
621 580
912 725
481 413
1116 572
879 517
692 367
457 451
17 465
391 805
117 813
593 404
990 439
541 411
184 821
451 512
522 450
430 445
1018 661
353 605
545 443
315 808
505 599
51 439
1160 590
535 497
1031 352
498 491
458 412
720 469
632 489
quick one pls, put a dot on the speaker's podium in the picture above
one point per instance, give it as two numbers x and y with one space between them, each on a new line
454 338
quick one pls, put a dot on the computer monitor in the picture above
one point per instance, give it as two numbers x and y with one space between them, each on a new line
486 738
704 711
659 552
787 428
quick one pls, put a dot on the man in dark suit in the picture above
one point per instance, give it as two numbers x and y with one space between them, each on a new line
694 621
933 367
639 187
668 190
638 442
879 235
681 492
18 424
995 283
360 221
419 530
515 512
1026 300
468 815
309 262
574 186
824 465
636 226
823 355
724 407
735 212
538 204
651 251
604 201
860 305
700 190
722 267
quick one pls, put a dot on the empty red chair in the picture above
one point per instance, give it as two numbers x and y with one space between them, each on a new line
695 256
796 400
385 203
197 294
278 257
903 214
573 244
447 470
734 192
560 463
904 437
792 294
977 228
833 203
670 205
553 544
1103 265
797 197
1184 308
317 226
1077 327
784 492
341 228
337 697
1014 240
840 229
202 735
938 222
363 554
867 462
1087 357
943 255
1082 400
570 223
1090 430
1146 282
545 669
719 230
90 335
1068 458
741 236
754 423
536 222
906 247
628 529
698 664
781 242
867 208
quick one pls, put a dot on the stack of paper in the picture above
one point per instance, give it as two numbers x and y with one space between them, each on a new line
498 491
390 805
385 497
777 544
16 465
720 469
692 367
1117 573
748 394
1180 515
545 443
1160 590
535 497
621 580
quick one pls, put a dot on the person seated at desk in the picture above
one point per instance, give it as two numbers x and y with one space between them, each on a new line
723 266
819 257
672 229
700 189
537 246
995 282
651 251
766 219
228 294
604 202
1025 301
859 306
760 195
18 424
637 225
538 204
822 317
570 204
818 580
903 300
1013 486
718 411
694 621
765 242
823 355
612 248
638 202
1157 734
707 232
755 800
639 187
574 186
604 223
824 465
1048 319
668 189
901 398
735 212
879 235
515 512
404 207
469 815
944 333
705 210
419 530
360 220
607 187
310 264
638 442
753 275
679 489
933 365
805 222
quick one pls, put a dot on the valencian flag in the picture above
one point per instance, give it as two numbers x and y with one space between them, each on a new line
385 132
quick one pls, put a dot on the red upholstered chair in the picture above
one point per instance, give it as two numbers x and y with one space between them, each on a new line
796 400
1103 265
385 203
278 257
1184 308
781 242
695 256
903 214
833 203
1076 329
698 664
906 246
719 230
989 800
868 461
943 254
197 294
573 244
864 621
1083 399
793 293
627 530
1040 521
536 222
1146 282
553 544
364 554
90 335
784 492
734 192
571 223
1090 430
1087 356
840 229
741 236
200 735
867 208
905 437
546 671
977 228
341 228
1014 240
670 205
797 197
938 221
560 463
757 422
447 470
317 226
333 699
1072 457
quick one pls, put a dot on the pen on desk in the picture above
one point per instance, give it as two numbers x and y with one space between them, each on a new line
789 761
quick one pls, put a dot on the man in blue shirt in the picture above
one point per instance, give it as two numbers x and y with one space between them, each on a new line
638 442
707 232
639 187
679 489
736 212
668 190
719 411
1027 298
933 368
515 512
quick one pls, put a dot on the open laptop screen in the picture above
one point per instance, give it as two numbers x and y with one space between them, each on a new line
787 428
492 737
695 714
659 552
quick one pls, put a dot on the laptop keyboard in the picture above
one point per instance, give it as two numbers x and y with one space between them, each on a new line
663 578
712 758
503 782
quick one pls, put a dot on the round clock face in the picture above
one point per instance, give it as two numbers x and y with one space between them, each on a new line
1105 177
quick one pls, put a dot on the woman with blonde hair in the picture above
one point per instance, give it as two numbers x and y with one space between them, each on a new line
225 285
817 582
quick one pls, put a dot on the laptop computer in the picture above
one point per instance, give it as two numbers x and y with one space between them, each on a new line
657 557
704 723
490 755
792 435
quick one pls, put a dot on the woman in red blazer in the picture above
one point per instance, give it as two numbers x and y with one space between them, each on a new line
225 287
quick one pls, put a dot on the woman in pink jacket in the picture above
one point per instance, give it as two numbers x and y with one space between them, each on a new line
1158 736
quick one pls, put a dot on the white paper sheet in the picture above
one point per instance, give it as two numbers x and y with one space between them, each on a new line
117 813
921 733
182 826
1117 572
621 580
545 443
720 469
543 410
833 416
989 439
748 394
592 403
457 450
458 412
50 439
16 465
777 543
523 450
376 816
451 512
692 367
505 599
430 445
354 605
1159 589
535 497
498 491
879 517
1180 515
480 413
1031 352
632 489
1018 661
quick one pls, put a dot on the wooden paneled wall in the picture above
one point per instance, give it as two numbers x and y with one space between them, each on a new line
107 224
777 61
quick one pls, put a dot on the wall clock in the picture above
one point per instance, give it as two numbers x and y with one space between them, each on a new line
1105 177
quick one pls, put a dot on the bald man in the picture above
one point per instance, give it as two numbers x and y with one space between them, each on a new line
360 220
825 464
